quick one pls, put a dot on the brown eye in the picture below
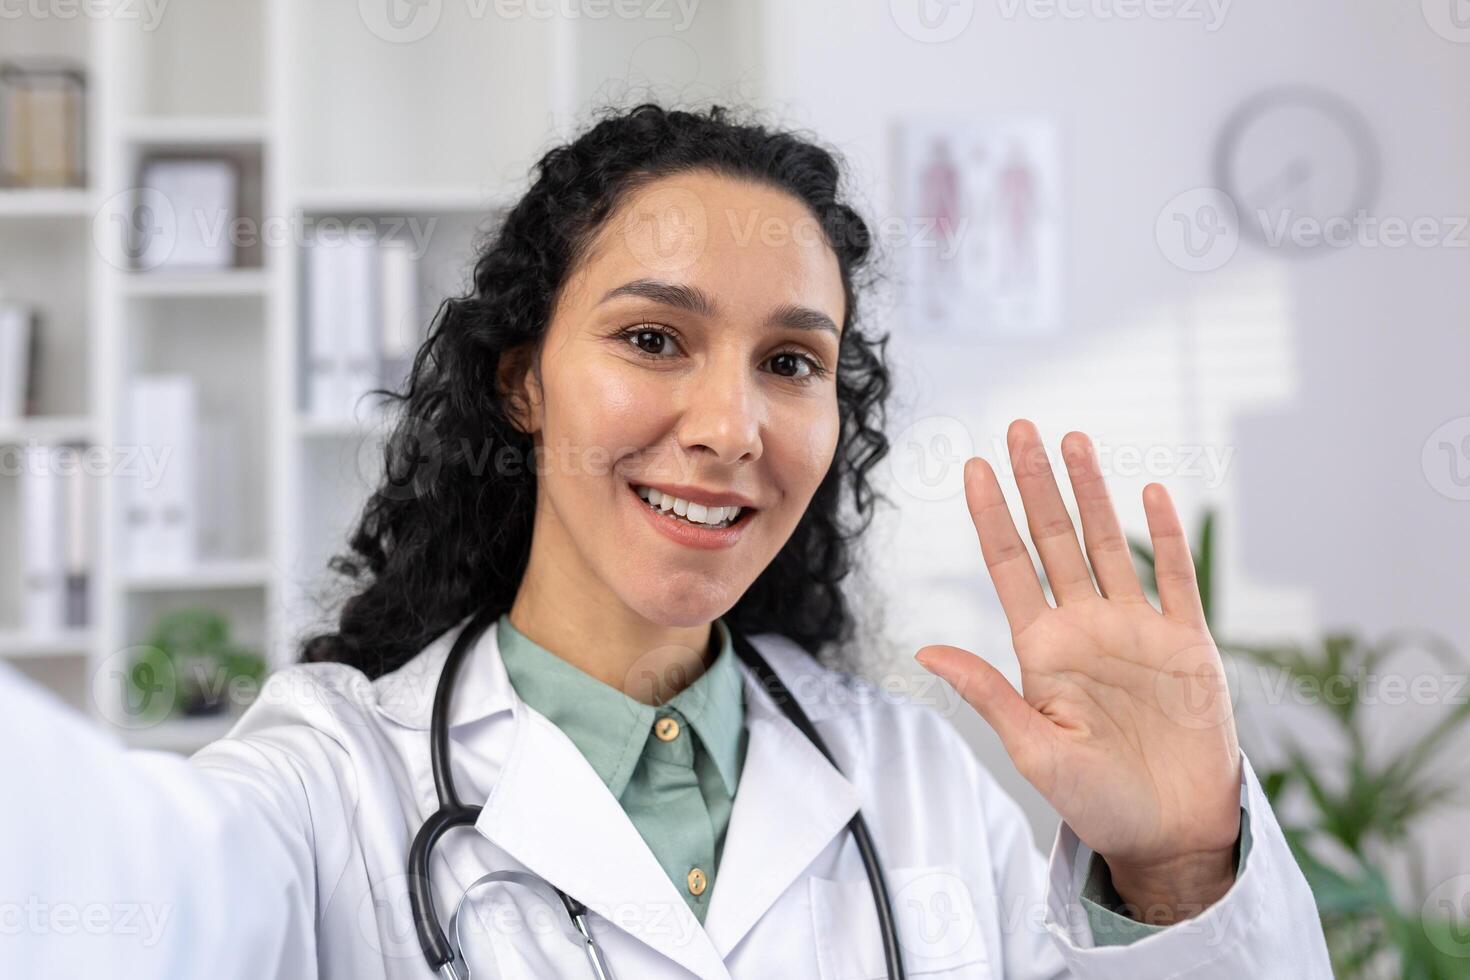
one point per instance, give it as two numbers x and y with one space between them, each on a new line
799 361
649 340
793 360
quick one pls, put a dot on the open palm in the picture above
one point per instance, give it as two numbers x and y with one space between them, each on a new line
1124 720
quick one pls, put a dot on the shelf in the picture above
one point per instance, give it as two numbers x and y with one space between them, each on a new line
203 282
404 200
184 735
222 574
327 118
196 130
46 202
28 644
45 429
309 428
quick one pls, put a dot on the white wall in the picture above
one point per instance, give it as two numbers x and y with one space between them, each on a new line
1323 376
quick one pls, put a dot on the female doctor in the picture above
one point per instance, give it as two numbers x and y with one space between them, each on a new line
620 464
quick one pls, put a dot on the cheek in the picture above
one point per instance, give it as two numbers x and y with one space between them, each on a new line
604 413
804 442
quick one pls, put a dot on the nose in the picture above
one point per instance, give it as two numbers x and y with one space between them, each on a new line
724 413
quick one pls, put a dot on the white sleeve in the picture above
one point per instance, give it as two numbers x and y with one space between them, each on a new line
1265 927
143 864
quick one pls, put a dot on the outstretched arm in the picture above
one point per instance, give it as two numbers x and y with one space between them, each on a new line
125 863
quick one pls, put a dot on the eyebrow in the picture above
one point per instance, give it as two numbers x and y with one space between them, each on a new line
695 300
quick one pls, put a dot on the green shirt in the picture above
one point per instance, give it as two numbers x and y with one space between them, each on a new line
1103 904
675 779
678 790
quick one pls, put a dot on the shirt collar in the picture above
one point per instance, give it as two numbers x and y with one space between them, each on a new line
610 728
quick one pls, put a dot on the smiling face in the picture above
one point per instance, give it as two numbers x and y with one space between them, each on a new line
693 349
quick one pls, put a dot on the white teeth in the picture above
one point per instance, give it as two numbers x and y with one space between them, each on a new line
694 513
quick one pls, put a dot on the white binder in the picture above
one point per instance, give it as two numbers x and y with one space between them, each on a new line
342 359
398 309
160 516
42 570
16 340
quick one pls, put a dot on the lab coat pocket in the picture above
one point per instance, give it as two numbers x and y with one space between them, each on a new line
938 933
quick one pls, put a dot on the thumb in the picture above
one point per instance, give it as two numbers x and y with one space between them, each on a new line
989 692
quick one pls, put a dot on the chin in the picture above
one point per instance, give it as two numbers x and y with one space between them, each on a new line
684 604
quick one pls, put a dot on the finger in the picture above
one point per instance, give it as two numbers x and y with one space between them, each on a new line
1173 565
1107 548
1046 515
1006 557
1026 733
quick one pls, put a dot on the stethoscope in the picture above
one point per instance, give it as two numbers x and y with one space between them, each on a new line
445 959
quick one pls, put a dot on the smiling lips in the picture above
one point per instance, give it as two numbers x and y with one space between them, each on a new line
694 513
662 512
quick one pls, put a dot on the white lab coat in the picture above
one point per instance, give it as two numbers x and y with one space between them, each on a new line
280 851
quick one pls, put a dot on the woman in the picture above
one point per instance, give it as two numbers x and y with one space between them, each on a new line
625 454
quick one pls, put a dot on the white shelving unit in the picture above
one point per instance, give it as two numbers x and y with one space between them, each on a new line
327 119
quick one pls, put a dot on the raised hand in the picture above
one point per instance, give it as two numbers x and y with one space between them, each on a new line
1124 721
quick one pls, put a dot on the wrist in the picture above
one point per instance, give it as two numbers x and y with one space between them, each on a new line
1170 891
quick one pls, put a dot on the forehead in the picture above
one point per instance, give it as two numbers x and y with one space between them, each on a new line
750 245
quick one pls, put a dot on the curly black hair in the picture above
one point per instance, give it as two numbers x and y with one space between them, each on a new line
442 535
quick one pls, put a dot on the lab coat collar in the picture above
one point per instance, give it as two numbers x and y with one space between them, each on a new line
551 811
791 803
482 689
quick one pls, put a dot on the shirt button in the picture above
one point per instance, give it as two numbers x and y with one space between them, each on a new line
697 882
667 729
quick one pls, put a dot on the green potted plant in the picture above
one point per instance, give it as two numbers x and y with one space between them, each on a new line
192 649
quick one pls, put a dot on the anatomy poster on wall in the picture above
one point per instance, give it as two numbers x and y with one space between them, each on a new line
981 207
